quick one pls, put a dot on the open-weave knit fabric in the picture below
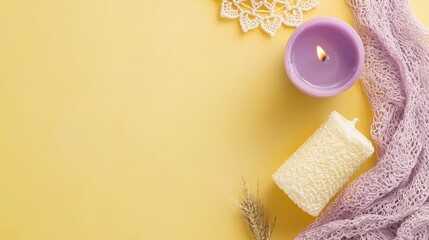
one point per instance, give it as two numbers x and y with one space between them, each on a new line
391 200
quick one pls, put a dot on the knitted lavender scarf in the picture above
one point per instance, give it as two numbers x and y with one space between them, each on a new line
391 200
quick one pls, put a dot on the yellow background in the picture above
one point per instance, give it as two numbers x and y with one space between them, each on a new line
136 119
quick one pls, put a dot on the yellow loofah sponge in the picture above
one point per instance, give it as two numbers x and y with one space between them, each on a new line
323 164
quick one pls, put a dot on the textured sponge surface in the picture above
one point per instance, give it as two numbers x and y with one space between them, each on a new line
323 164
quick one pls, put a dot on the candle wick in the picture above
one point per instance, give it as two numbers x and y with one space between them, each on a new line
325 58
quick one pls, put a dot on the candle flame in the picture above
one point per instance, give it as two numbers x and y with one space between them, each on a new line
321 54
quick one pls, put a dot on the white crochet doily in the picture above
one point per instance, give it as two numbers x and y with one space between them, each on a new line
269 14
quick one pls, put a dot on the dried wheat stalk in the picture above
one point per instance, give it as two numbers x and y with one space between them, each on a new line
253 214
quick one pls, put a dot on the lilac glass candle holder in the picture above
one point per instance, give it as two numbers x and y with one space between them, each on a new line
324 57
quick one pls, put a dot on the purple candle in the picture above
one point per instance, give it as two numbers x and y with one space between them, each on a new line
324 57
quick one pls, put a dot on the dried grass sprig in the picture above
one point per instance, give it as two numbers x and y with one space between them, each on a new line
253 214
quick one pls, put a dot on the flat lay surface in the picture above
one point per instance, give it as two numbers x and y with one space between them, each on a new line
137 119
